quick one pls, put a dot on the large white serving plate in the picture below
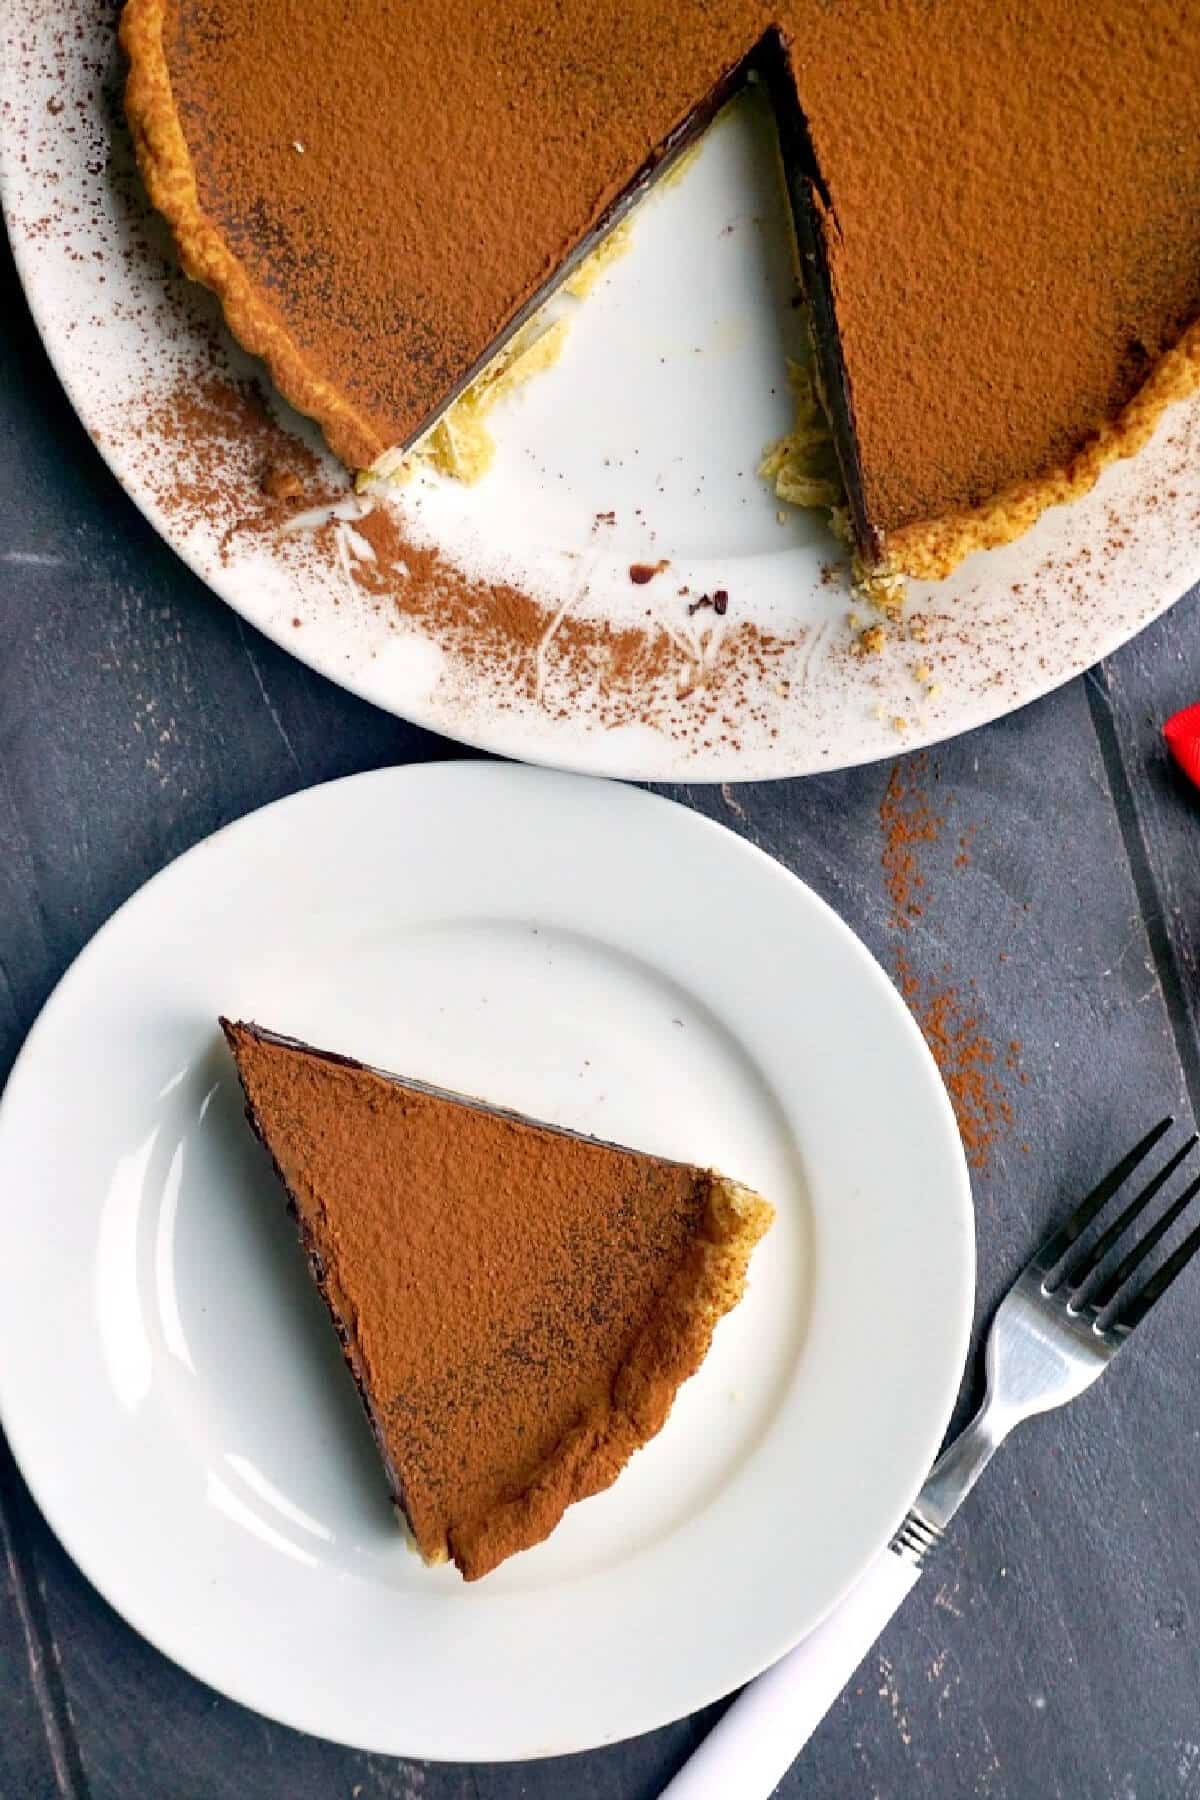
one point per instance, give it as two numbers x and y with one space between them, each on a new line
672 384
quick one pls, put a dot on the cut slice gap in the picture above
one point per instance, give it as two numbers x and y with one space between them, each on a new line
533 338
659 164
914 507
811 206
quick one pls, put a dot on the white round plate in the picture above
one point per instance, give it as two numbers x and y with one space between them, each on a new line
600 958
642 444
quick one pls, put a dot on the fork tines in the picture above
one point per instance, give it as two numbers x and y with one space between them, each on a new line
1064 1259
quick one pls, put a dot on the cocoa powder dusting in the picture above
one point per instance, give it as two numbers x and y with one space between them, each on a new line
222 457
1070 190
518 1305
381 531
948 1013
212 441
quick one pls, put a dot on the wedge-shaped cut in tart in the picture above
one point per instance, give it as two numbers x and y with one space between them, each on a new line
997 210
517 1304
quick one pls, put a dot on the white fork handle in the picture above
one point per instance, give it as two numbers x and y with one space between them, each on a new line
751 1748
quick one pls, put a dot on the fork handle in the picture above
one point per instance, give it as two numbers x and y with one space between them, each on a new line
753 1745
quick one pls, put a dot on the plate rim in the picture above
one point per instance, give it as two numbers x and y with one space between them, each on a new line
57 1509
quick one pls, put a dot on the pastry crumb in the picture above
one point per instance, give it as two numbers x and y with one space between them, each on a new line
869 642
801 466
883 587
460 444
281 483
839 524
682 164
608 251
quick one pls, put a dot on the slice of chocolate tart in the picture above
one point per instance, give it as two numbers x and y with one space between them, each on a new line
518 1304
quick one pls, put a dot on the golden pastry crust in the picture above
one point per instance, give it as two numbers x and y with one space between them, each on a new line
670 1347
167 170
929 549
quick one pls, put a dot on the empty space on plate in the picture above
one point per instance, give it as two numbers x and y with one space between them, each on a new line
672 383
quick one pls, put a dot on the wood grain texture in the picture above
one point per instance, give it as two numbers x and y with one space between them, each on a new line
38 1753
1053 1649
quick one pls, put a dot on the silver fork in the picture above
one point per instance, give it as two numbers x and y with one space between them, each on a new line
1058 1327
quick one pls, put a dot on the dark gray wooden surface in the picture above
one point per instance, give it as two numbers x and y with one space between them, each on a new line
1055 1649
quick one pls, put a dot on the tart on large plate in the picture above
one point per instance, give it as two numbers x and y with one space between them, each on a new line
997 211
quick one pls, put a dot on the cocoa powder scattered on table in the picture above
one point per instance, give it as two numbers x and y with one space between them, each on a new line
964 1053
948 1013
908 821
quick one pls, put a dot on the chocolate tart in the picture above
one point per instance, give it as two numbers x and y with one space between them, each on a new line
517 1304
997 210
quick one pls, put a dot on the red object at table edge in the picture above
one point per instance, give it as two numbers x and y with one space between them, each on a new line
1182 732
